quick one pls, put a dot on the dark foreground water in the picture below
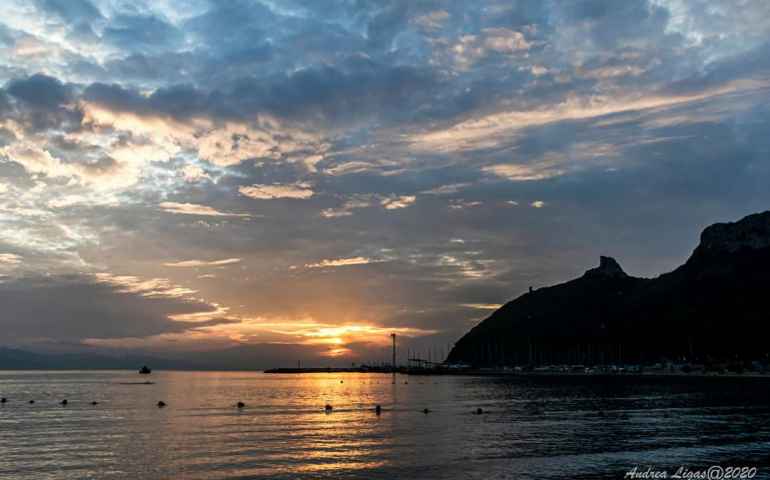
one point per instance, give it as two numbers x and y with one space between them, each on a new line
533 427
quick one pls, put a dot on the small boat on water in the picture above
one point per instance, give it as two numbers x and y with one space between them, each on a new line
145 371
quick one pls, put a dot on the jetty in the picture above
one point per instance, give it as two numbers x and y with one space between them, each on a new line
359 369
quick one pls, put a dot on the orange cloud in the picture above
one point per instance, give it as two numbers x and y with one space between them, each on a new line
342 262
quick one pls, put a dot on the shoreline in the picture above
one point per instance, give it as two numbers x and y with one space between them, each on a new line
477 373
472 373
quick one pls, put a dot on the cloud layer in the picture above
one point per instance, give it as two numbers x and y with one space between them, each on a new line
248 151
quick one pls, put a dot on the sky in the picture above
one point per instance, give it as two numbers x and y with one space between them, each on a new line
296 180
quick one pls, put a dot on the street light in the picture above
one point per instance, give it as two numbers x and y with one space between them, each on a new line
393 336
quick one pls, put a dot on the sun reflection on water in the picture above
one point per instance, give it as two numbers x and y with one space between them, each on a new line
284 431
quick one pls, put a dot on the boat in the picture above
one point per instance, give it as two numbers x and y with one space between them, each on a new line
145 371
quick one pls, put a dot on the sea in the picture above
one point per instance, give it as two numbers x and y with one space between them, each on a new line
532 426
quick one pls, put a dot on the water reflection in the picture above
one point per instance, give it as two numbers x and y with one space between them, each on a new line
530 426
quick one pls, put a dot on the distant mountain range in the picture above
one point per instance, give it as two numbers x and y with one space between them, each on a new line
14 359
238 358
715 306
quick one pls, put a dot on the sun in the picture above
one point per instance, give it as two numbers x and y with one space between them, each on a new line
337 352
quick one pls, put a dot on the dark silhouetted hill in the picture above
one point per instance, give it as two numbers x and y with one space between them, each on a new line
716 305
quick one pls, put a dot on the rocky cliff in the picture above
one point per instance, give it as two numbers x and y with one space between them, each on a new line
750 233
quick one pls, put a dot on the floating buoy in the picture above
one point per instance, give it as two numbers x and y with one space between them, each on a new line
601 413
426 411
64 402
161 404
378 409
479 411
328 407
241 404
666 415
94 403
3 400
736 416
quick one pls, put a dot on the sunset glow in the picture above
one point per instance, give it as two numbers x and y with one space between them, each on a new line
302 179
384 239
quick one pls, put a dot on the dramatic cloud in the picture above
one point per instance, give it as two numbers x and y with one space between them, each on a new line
202 263
504 40
343 262
194 173
447 189
482 306
267 192
525 172
192 209
74 308
10 258
469 149
462 204
390 202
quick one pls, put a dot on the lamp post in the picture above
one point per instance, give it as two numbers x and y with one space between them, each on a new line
393 336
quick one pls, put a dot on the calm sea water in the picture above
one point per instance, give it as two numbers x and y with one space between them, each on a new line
533 427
